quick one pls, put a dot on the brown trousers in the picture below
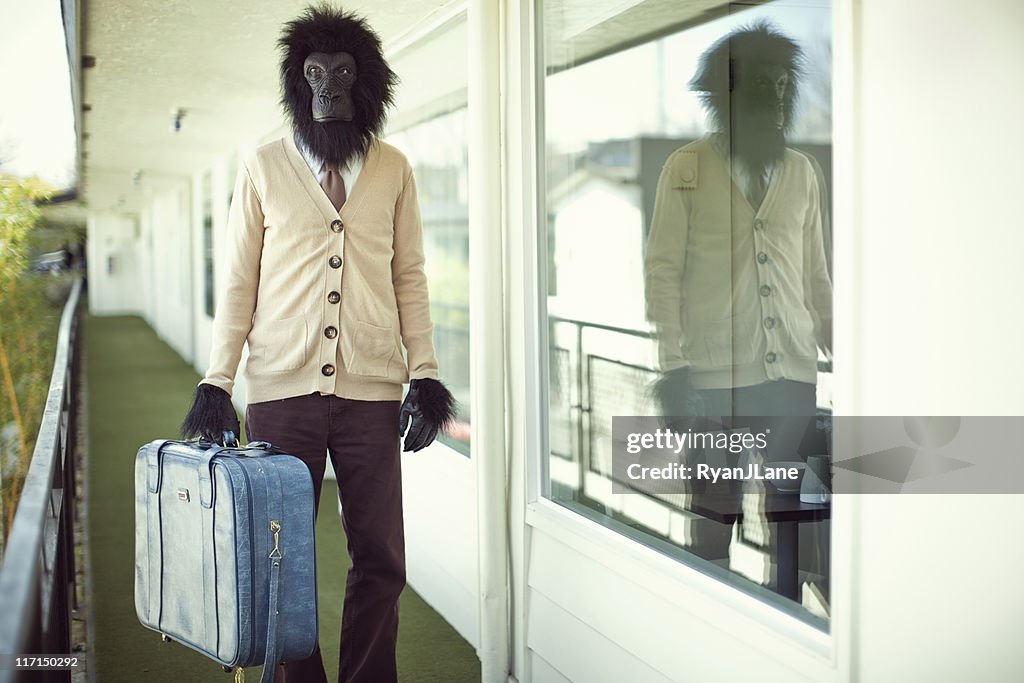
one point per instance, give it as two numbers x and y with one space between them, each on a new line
362 440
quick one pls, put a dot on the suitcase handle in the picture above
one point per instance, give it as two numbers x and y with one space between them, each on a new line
256 449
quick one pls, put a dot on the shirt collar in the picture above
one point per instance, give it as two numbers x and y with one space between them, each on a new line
316 165
314 162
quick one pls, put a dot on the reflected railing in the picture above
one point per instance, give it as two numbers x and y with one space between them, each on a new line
588 388
37 578
598 372
577 377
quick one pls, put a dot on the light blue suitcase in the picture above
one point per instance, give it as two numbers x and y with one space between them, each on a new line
225 557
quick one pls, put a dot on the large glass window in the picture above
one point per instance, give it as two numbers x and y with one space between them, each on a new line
686 182
429 126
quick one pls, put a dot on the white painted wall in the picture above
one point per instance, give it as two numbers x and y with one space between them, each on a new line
145 259
113 267
439 499
169 247
938 179
200 321
141 264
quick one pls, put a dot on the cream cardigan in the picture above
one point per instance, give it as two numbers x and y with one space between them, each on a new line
324 299
741 296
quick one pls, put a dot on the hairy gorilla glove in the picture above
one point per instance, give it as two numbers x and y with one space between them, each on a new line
431 407
211 415
676 396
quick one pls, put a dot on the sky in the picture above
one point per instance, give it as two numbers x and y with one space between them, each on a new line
37 130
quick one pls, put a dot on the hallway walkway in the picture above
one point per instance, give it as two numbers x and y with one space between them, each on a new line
139 390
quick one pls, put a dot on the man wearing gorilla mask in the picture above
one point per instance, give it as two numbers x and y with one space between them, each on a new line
326 284
737 283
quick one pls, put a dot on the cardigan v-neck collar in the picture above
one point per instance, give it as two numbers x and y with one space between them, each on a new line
771 190
316 193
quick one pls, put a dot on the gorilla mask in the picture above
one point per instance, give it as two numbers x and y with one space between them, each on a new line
748 84
336 85
331 78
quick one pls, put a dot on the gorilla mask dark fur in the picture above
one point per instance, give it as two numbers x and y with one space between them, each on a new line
321 28
748 83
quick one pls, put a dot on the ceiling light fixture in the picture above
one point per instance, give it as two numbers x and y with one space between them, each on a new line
177 114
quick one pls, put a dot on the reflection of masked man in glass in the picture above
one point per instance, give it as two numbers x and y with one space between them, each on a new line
736 278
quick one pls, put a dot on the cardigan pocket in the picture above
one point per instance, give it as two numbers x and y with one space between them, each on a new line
725 343
279 345
372 350
800 335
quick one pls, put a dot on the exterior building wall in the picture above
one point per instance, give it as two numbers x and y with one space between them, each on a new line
930 568
113 266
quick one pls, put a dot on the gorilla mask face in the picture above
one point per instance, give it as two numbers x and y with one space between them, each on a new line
758 113
331 77
760 96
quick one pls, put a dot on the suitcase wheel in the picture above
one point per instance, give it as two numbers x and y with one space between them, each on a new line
164 637
227 669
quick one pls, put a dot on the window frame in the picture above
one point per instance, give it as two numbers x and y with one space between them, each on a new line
745 618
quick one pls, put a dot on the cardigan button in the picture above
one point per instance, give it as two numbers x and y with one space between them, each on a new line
765 290
335 261
334 297
769 323
331 332
770 357
327 370
758 224
762 258
337 226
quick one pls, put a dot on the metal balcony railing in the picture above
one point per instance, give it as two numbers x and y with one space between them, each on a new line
37 578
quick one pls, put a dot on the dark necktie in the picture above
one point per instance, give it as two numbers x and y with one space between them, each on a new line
760 187
334 185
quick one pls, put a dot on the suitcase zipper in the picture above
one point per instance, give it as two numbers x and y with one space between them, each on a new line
275 528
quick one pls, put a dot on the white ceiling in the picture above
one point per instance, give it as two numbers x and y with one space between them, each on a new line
217 61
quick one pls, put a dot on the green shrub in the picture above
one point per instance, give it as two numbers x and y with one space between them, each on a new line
29 317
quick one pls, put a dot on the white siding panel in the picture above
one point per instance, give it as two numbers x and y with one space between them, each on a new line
439 500
543 672
639 625
578 651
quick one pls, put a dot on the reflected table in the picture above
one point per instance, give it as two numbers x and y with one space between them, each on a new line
783 509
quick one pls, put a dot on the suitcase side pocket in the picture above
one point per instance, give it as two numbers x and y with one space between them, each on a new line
148 541
142 557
